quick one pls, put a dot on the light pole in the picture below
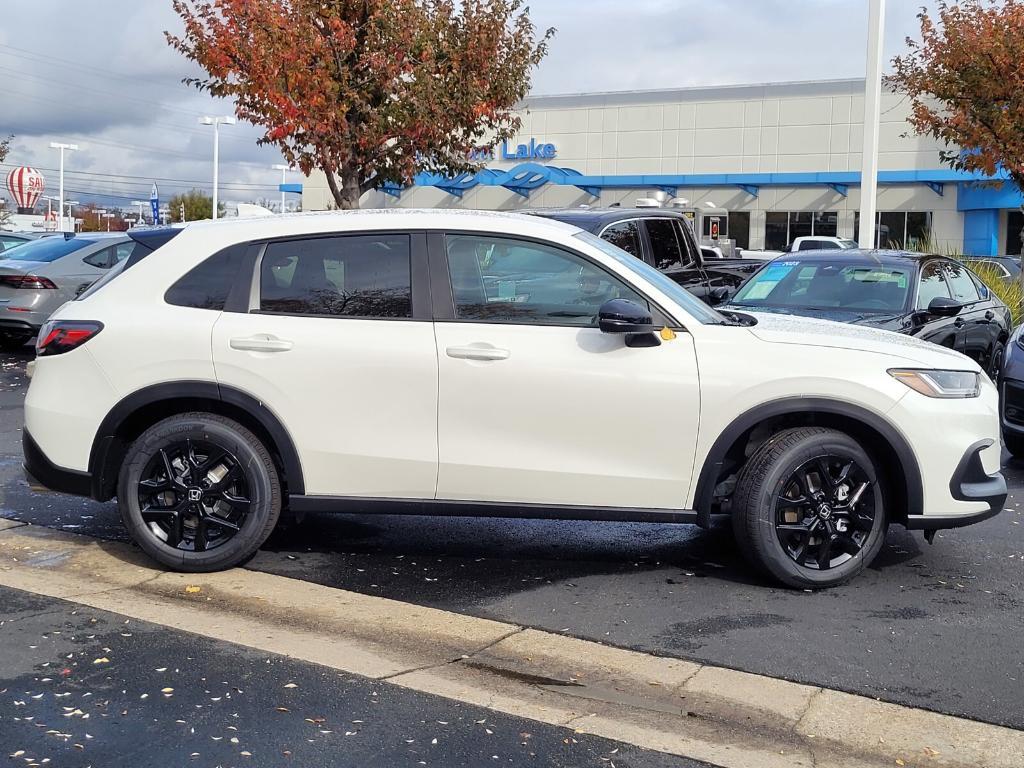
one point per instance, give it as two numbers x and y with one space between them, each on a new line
872 115
100 213
284 179
216 122
71 213
108 216
142 208
71 148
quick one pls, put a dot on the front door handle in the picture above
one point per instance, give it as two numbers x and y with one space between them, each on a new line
261 343
478 353
959 322
989 315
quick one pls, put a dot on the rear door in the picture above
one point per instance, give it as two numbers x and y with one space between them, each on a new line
338 343
670 254
977 322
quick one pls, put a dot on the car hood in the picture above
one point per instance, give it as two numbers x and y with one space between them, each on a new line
787 329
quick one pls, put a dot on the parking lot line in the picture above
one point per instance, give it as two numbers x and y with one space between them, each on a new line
720 716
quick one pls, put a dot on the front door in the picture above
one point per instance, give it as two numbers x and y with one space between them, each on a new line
335 345
539 406
945 331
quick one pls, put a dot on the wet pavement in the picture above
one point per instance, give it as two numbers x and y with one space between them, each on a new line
937 626
81 687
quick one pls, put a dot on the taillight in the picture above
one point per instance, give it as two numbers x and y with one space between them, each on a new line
31 282
59 336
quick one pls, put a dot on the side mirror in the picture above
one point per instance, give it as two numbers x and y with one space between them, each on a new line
717 295
941 306
625 316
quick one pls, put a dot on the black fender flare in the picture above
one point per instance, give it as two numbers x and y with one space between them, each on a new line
106 436
715 459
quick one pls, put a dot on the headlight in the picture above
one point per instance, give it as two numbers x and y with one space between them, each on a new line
933 383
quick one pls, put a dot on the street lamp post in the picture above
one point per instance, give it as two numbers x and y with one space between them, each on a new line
142 208
71 213
216 122
872 115
108 216
71 148
100 213
284 179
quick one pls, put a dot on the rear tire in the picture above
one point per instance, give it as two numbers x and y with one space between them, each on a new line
199 492
808 508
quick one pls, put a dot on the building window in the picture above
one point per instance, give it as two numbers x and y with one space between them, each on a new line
899 229
734 225
782 227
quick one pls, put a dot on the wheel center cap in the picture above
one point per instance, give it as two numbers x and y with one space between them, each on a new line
195 494
824 511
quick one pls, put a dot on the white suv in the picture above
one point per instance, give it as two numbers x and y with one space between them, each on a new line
441 362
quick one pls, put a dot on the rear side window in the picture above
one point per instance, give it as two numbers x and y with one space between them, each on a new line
207 285
665 247
625 235
346 275
47 249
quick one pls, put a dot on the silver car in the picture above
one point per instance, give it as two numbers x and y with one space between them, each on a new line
38 276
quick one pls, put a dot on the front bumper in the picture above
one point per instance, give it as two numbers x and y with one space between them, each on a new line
970 482
41 472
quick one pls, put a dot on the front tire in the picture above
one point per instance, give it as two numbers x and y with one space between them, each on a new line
199 492
808 508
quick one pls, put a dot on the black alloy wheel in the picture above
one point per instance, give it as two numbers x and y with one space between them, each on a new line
199 492
995 362
824 514
193 495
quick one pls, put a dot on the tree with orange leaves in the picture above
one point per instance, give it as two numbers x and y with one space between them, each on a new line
368 91
965 80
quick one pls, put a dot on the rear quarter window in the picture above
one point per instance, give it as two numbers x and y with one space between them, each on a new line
207 285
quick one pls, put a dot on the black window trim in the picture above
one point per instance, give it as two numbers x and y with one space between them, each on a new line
444 300
248 281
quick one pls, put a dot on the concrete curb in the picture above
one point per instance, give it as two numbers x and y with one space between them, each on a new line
718 715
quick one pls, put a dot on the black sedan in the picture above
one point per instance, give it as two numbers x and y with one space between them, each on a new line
930 297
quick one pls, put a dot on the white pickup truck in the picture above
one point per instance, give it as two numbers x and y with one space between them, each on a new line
814 243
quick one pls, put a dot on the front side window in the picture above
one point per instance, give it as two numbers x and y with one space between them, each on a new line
826 285
933 285
346 275
625 235
498 279
961 284
665 246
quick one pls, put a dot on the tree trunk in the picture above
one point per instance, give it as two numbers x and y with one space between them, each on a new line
346 196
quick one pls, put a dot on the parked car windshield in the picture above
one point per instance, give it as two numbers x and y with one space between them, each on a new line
46 249
821 284
694 306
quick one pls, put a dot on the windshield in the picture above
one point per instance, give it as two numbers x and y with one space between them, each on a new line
694 306
835 285
46 249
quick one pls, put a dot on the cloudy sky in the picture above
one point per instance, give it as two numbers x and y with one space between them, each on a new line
100 74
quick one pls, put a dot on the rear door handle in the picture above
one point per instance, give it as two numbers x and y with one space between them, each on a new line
478 353
989 314
261 343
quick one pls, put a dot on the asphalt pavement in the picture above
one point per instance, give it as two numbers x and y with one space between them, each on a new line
937 627
84 687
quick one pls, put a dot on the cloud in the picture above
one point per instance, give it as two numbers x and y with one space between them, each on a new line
101 74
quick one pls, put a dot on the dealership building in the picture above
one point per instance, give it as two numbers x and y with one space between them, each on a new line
761 164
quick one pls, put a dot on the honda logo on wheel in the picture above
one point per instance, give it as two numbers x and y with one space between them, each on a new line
195 494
